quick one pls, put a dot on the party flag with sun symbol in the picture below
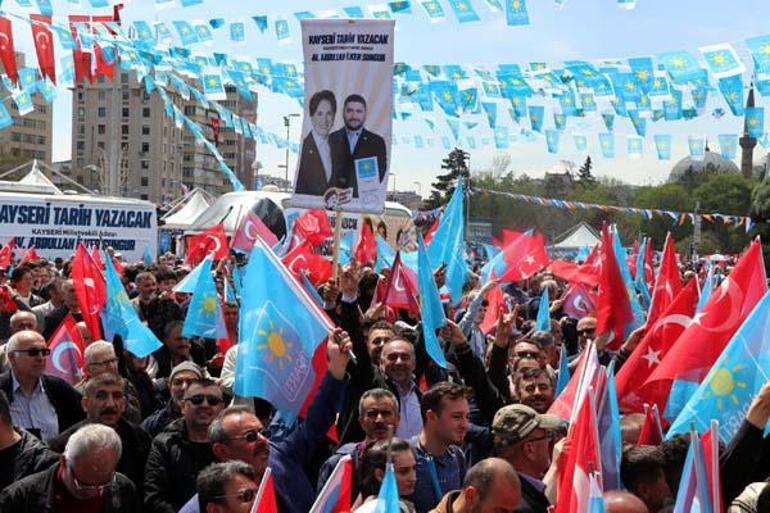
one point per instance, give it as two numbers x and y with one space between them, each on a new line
736 377
280 329
204 315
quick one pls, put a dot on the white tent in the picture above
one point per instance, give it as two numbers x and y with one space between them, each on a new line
37 178
577 237
187 211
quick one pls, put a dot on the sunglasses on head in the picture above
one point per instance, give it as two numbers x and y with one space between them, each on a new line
35 351
252 436
198 399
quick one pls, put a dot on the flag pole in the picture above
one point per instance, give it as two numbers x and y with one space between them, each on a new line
337 241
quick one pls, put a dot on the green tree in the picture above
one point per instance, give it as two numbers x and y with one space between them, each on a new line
585 177
456 163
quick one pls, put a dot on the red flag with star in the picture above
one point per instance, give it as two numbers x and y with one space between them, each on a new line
6 254
696 350
366 249
7 53
524 256
67 347
668 284
90 289
654 346
41 34
249 228
401 287
212 242
302 259
313 226
265 502
613 311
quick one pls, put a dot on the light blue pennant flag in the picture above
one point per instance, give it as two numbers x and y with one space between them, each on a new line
431 309
281 30
433 9
732 91
663 146
237 32
260 22
728 146
681 65
760 53
552 140
607 145
581 142
696 146
187 34
501 137
635 146
722 60
516 12
755 121
536 117
463 10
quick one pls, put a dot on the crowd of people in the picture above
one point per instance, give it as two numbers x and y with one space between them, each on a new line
167 433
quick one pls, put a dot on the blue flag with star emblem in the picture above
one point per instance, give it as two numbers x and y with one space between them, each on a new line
281 29
552 140
735 378
581 142
755 121
722 60
6 119
237 31
186 33
607 144
490 109
642 69
463 10
732 91
760 53
663 146
204 314
728 146
536 115
448 244
213 88
516 12
609 121
696 146
634 146
501 137
280 328
681 66
433 9
431 310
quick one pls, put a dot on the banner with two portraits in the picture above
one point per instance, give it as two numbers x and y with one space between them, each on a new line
347 123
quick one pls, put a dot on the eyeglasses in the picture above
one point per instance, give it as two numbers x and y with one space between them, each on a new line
527 354
244 496
252 436
198 399
586 331
35 351
105 362
82 487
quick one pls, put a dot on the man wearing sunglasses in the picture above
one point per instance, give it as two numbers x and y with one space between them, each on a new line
229 487
522 438
180 452
43 405
84 479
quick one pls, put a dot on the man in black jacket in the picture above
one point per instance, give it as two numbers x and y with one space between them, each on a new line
43 405
181 377
105 403
354 142
21 454
70 306
83 480
522 438
179 453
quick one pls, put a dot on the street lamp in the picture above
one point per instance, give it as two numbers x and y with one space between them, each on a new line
287 124
419 187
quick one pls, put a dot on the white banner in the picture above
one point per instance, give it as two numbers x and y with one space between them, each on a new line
55 224
347 125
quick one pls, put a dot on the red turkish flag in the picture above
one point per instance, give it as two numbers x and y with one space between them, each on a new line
7 53
496 304
6 253
696 350
249 228
572 272
668 284
313 226
652 431
614 307
302 259
90 289
524 256
265 502
211 242
82 59
579 301
30 254
431 231
102 66
366 249
583 460
654 346
67 347
507 237
401 288
41 34
97 258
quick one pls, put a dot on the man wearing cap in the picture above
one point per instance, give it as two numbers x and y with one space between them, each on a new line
522 438
181 376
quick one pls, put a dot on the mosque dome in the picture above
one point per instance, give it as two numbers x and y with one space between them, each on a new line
710 160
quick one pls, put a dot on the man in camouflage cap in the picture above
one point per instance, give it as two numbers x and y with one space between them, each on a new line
523 438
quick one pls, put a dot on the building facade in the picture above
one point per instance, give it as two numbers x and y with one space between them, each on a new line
30 136
151 158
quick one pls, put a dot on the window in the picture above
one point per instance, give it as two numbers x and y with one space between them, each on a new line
163 182
100 145
144 197
81 130
145 147
81 145
125 112
145 164
82 112
124 129
146 112
144 181
41 108
101 79
80 96
101 129
145 129
126 96
102 95
101 112
124 78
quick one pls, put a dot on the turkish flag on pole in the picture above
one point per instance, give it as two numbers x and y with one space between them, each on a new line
67 347
265 502
579 301
652 431
401 288
431 231
587 374
82 59
90 290
696 350
103 67
654 346
251 227
30 254
668 284
6 254
583 460
44 45
366 249
614 308
522 257
7 53
313 226
211 242
301 259
496 304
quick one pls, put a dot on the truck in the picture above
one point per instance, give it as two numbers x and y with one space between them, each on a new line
54 222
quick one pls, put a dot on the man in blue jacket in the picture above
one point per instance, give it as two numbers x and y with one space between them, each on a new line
237 434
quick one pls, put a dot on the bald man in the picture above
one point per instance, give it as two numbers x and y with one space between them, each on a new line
20 321
490 486
619 501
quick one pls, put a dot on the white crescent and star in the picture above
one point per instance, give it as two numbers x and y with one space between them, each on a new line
397 283
4 41
292 265
250 231
217 243
652 357
732 291
43 39
59 351
90 284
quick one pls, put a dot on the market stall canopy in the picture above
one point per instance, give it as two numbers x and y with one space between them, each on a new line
187 211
